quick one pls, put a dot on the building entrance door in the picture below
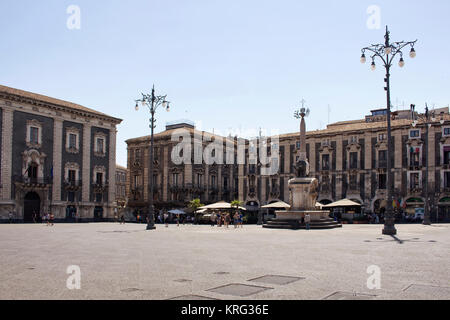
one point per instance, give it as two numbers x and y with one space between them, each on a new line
98 213
31 207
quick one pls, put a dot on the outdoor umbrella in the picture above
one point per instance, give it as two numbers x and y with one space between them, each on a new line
220 205
177 211
342 203
277 205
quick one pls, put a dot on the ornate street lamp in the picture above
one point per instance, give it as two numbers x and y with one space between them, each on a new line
387 52
152 102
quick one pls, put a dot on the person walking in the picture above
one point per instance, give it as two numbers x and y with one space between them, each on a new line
236 220
241 220
52 217
166 219
227 219
10 216
178 220
212 219
307 221
122 219
47 219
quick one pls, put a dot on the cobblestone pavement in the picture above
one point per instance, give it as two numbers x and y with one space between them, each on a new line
203 262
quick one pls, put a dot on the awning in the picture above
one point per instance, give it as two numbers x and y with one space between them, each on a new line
342 203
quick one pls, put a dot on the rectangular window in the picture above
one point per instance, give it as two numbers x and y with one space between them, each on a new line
225 182
414 180
326 162
382 137
382 179
137 154
175 179
414 134
353 182
447 131
447 179
32 171
213 181
297 145
137 181
446 155
100 145
382 159
72 141
71 175
34 135
414 154
99 178
199 180
353 160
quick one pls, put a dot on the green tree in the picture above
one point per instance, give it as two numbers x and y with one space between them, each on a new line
194 204
236 204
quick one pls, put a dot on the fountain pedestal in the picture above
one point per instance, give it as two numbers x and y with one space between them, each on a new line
303 194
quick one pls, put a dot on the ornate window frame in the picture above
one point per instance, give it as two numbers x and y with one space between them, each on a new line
71 166
35 156
99 169
35 124
76 132
99 135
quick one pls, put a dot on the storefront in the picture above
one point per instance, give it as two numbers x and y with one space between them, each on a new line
443 213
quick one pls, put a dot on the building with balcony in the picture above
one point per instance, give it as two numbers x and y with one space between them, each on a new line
56 156
348 158
121 186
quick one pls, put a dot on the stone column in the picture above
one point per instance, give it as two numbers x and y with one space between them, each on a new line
241 181
367 165
112 172
57 159
263 191
339 166
398 159
188 181
287 158
7 133
312 157
86 173
165 173
432 156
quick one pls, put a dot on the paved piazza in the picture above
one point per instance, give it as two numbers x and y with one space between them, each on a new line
200 262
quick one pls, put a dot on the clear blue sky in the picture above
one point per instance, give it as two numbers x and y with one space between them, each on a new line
228 64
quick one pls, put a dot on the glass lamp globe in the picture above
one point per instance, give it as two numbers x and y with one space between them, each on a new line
363 58
401 63
412 53
388 50
373 66
136 107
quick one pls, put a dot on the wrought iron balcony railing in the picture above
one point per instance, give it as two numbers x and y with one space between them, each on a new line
33 181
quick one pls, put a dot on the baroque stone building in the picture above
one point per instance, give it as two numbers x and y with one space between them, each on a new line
348 158
121 186
56 156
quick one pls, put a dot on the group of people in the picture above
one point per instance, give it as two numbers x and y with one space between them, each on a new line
47 218
224 218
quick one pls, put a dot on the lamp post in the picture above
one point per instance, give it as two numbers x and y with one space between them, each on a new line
152 102
386 53
428 119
